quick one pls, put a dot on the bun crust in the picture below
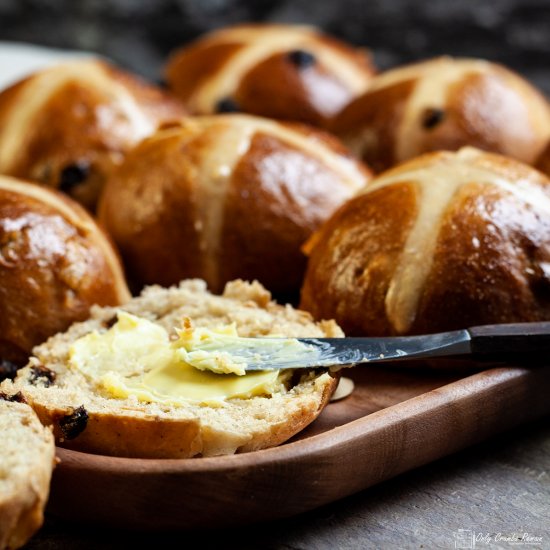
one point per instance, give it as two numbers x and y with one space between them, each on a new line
54 264
277 71
128 427
445 241
66 125
26 463
226 197
445 103
543 162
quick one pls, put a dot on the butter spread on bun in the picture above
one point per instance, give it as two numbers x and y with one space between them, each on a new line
136 357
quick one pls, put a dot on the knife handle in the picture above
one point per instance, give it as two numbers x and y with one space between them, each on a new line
524 339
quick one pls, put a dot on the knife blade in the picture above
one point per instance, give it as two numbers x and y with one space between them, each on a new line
526 342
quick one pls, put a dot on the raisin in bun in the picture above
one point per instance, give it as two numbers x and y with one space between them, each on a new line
54 264
225 197
66 125
445 103
444 241
277 71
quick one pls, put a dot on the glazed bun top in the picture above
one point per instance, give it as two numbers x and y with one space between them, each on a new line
277 71
445 103
444 241
55 263
226 196
66 125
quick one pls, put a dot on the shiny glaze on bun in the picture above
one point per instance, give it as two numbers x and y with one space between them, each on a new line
55 263
226 197
445 104
66 126
445 241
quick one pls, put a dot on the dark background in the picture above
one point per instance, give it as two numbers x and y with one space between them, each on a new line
140 33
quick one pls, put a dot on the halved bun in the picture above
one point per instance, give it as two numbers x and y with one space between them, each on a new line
26 463
86 417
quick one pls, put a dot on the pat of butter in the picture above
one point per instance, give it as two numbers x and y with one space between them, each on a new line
135 357
210 350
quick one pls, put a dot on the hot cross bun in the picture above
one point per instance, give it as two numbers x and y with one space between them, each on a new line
444 241
225 197
67 125
445 103
278 71
54 264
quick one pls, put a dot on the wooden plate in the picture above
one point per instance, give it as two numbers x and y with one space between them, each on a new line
393 421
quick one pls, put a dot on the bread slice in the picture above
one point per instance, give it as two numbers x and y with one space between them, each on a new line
26 462
86 417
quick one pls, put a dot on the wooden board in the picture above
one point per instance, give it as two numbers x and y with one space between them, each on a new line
393 422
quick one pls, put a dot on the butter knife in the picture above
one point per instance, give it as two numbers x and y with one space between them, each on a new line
519 342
